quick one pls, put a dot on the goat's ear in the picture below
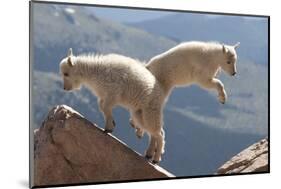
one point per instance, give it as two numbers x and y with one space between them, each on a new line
236 45
70 52
224 49
70 61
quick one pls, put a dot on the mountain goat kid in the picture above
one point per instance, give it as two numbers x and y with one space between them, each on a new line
195 63
120 80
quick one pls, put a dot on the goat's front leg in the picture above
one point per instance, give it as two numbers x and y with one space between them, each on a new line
217 85
105 107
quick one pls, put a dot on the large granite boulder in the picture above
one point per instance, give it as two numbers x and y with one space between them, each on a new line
69 149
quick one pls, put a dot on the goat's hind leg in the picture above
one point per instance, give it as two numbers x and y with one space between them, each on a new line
139 132
159 147
153 125
136 122
151 148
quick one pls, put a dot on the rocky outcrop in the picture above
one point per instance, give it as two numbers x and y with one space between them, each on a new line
69 149
254 159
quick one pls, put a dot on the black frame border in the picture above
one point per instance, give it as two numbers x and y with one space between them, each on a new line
135 8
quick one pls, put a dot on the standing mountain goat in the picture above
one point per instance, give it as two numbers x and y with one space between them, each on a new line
119 80
194 63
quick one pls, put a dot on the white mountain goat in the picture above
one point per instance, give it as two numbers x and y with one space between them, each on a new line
120 80
195 63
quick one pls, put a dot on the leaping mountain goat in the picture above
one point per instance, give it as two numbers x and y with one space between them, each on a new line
195 63
120 80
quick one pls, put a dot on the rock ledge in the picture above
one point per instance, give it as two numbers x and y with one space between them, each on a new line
254 159
69 149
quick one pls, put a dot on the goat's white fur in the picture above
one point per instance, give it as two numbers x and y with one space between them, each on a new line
194 63
120 80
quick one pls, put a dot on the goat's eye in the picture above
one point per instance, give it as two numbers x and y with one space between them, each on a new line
228 62
66 74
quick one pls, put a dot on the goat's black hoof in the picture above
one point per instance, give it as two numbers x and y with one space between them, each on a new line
155 162
107 131
132 125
